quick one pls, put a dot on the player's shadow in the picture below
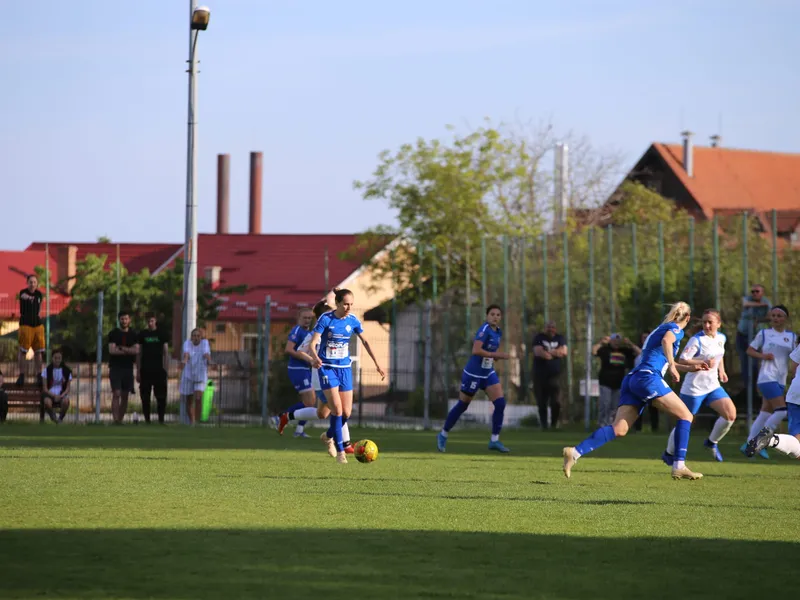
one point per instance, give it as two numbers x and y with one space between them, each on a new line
343 563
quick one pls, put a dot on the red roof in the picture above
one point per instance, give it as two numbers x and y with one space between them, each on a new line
134 257
14 270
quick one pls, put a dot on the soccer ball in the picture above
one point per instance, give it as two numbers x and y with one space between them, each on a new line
366 451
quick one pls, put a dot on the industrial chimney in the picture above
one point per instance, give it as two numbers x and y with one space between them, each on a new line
223 191
255 191
561 178
688 152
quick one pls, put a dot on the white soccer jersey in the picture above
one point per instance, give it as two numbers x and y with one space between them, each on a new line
305 346
58 380
780 344
793 395
710 349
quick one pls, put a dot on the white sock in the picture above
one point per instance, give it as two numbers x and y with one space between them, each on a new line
671 442
444 433
305 414
775 420
299 429
758 424
575 454
678 464
345 433
788 444
495 438
721 427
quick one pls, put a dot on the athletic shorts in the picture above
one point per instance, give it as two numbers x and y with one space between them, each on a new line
333 377
31 338
641 387
301 379
471 384
794 418
771 389
693 403
121 379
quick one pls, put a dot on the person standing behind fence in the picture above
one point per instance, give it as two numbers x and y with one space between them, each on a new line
549 347
755 312
122 350
196 358
616 359
151 371
31 330
57 378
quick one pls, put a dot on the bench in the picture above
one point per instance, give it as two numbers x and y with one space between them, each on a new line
22 398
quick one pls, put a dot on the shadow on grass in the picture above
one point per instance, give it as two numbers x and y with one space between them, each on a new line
331 564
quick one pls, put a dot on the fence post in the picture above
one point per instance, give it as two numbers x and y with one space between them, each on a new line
420 375
568 318
775 257
47 303
715 259
635 256
523 379
118 282
468 290
446 340
587 396
507 371
750 375
544 280
99 381
394 369
745 257
426 419
691 262
483 274
661 266
265 389
590 233
610 241
220 395
77 393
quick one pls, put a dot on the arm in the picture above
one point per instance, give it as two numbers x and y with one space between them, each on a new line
599 345
372 356
477 350
312 350
165 356
723 374
755 347
688 356
65 387
113 349
636 350
561 351
666 346
289 349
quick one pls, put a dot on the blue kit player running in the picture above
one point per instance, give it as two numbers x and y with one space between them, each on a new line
479 374
706 346
299 371
644 385
785 444
772 347
330 351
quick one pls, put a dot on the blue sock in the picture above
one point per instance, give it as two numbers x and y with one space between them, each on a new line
497 415
295 406
681 438
302 423
598 438
336 429
454 414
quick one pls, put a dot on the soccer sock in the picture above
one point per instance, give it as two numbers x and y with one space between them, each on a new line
671 442
775 420
300 426
497 416
598 438
304 414
682 428
758 424
454 414
294 407
336 429
787 444
721 427
345 433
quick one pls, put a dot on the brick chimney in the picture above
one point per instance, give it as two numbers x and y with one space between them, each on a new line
66 266
256 159
688 153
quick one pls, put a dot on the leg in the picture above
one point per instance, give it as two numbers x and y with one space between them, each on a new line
347 410
48 406
37 363
758 424
783 443
333 437
145 389
555 402
779 413
604 407
198 404
64 409
626 416
21 360
495 395
540 395
459 408
115 403
160 391
3 406
123 404
189 409
674 406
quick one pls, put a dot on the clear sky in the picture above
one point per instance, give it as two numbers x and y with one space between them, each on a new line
94 95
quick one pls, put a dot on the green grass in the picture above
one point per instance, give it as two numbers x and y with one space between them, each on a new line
135 512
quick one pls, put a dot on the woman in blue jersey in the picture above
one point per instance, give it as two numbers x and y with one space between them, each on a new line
479 374
645 384
706 346
772 347
330 351
299 370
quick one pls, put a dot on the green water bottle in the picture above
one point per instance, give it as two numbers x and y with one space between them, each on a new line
208 401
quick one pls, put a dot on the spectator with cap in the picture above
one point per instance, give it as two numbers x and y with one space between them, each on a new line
755 312
616 355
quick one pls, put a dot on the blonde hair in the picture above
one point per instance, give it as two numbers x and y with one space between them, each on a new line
678 312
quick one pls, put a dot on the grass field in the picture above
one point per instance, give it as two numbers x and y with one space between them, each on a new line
134 512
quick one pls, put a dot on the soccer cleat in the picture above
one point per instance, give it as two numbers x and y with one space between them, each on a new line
329 442
759 443
763 454
283 421
743 449
668 458
341 458
685 473
274 421
441 442
714 450
301 434
569 460
349 450
499 447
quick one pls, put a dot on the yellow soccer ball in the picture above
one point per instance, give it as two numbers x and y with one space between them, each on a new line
366 451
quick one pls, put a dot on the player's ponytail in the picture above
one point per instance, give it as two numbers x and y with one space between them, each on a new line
678 313
321 308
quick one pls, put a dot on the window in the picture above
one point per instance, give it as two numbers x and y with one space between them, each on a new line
219 328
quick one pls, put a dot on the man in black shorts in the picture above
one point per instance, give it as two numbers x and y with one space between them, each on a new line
549 347
122 350
152 367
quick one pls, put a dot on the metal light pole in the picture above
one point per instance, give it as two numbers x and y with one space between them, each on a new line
198 21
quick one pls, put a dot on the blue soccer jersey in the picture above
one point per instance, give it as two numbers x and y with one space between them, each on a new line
296 336
334 347
652 357
480 366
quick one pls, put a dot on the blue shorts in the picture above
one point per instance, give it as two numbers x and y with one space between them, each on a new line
321 397
471 384
639 388
333 377
693 403
301 379
771 389
794 418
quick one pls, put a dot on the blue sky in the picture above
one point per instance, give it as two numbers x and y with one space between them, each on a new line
94 97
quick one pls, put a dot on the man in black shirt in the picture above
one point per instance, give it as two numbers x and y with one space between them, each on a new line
31 330
152 367
549 347
122 350
616 359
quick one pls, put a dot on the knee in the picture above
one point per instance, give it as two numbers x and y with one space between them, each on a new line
621 428
65 403
464 398
729 414
499 403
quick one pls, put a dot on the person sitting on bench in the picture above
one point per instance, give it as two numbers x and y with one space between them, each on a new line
57 378
3 401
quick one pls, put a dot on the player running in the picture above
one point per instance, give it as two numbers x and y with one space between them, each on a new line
479 374
330 351
706 347
644 385
772 347
299 369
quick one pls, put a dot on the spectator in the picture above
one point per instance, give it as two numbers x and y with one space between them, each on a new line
122 348
616 359
3 400
56 378
196 357
31 330
549 347
755 311
151 367
652 410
